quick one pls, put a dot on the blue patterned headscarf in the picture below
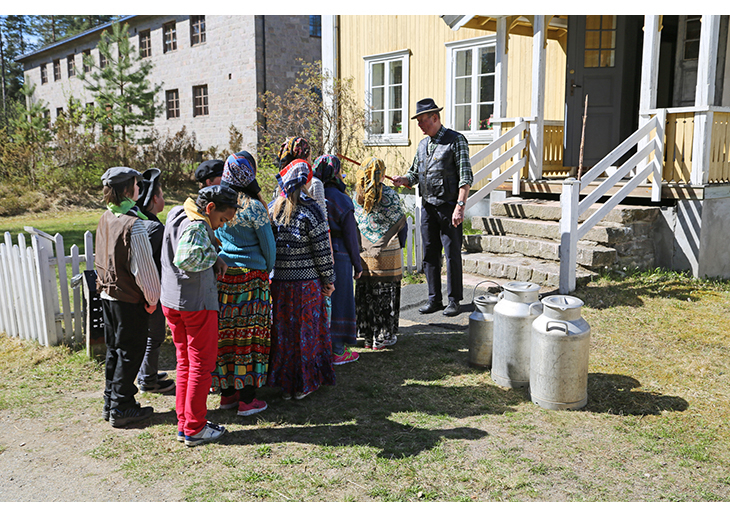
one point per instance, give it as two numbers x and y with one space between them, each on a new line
239 173
327 169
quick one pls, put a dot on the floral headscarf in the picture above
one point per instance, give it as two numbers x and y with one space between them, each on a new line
294 148
327 169
370 182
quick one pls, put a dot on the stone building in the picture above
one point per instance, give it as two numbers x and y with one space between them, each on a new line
212 68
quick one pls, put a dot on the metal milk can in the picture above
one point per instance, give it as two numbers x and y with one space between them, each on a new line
513 317
559 355
481 328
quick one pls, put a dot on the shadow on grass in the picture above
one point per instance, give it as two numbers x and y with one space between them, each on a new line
633 291
614 394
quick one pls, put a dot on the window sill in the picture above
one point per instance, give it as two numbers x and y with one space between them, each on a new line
373 141
473 137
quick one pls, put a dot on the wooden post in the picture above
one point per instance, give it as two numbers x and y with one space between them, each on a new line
656 184
538 96
568 235
501 60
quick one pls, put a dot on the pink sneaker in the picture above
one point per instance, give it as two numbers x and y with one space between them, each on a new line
346 357
256 406
229 402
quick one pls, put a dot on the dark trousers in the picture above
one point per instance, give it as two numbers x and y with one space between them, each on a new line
155 336
125 326
437 233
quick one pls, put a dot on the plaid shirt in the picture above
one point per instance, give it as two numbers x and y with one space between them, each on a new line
463 165
195 252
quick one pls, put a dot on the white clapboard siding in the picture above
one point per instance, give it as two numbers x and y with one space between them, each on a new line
31 278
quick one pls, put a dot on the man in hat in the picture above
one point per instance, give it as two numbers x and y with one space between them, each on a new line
209 173
129 288
442 170
151 202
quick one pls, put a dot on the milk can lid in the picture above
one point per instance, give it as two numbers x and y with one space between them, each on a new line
562 302
521 287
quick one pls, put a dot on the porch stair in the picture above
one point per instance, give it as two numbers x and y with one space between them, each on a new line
521 239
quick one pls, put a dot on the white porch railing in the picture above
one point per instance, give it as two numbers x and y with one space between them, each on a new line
573 208
499 158
36 301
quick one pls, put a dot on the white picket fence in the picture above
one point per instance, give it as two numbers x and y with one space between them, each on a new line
36 299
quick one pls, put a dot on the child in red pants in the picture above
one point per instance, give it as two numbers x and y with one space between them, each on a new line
190 265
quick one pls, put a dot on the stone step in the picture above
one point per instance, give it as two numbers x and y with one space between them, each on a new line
519 268
609 234
548 210
590 255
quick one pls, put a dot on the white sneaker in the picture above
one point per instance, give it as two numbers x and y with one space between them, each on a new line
210 433
379 345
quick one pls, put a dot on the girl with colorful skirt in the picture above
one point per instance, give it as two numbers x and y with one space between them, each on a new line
244 297
346 252
382 223
301 349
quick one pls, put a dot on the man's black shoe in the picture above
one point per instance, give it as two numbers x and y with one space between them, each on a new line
431 307
134 414
452 309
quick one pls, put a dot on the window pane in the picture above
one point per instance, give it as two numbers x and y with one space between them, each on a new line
396 72
593 22
593 39
486 88
396 97
486 59
607 58
394 122
463 63
691 50
378 76
376 124
693 29
485 111
378 100
608 22
591 59
461 118
608 39
463 90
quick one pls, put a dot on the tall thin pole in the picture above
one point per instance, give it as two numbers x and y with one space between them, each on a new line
2 67
582 139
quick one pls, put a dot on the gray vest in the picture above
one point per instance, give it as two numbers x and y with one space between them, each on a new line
438 179
185 290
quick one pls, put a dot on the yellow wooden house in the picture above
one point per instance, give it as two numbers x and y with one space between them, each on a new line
654 92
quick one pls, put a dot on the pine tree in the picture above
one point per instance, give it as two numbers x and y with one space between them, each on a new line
125 100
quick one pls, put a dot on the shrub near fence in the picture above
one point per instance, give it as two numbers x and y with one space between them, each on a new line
36 299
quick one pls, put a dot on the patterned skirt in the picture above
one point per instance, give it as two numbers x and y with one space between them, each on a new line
244 329
378 309
301 349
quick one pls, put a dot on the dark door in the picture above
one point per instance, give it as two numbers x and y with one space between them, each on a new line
602 63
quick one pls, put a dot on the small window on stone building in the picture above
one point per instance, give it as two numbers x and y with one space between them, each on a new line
102 60
70 65
59 112
315 26
172 100
87 60
200 100
56 69
197 30
44 74
169 37
145 44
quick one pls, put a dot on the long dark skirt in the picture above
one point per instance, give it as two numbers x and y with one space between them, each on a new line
378 309
301 349
343 326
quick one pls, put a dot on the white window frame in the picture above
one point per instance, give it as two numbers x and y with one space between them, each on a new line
484 136
401 138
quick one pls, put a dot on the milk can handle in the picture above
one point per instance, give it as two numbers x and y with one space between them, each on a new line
475 288
534 304
564 324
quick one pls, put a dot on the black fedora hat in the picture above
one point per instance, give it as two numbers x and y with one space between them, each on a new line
147 188
425 106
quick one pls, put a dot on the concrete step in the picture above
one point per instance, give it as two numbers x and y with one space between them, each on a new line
519 268
609 234
548 210
590 255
